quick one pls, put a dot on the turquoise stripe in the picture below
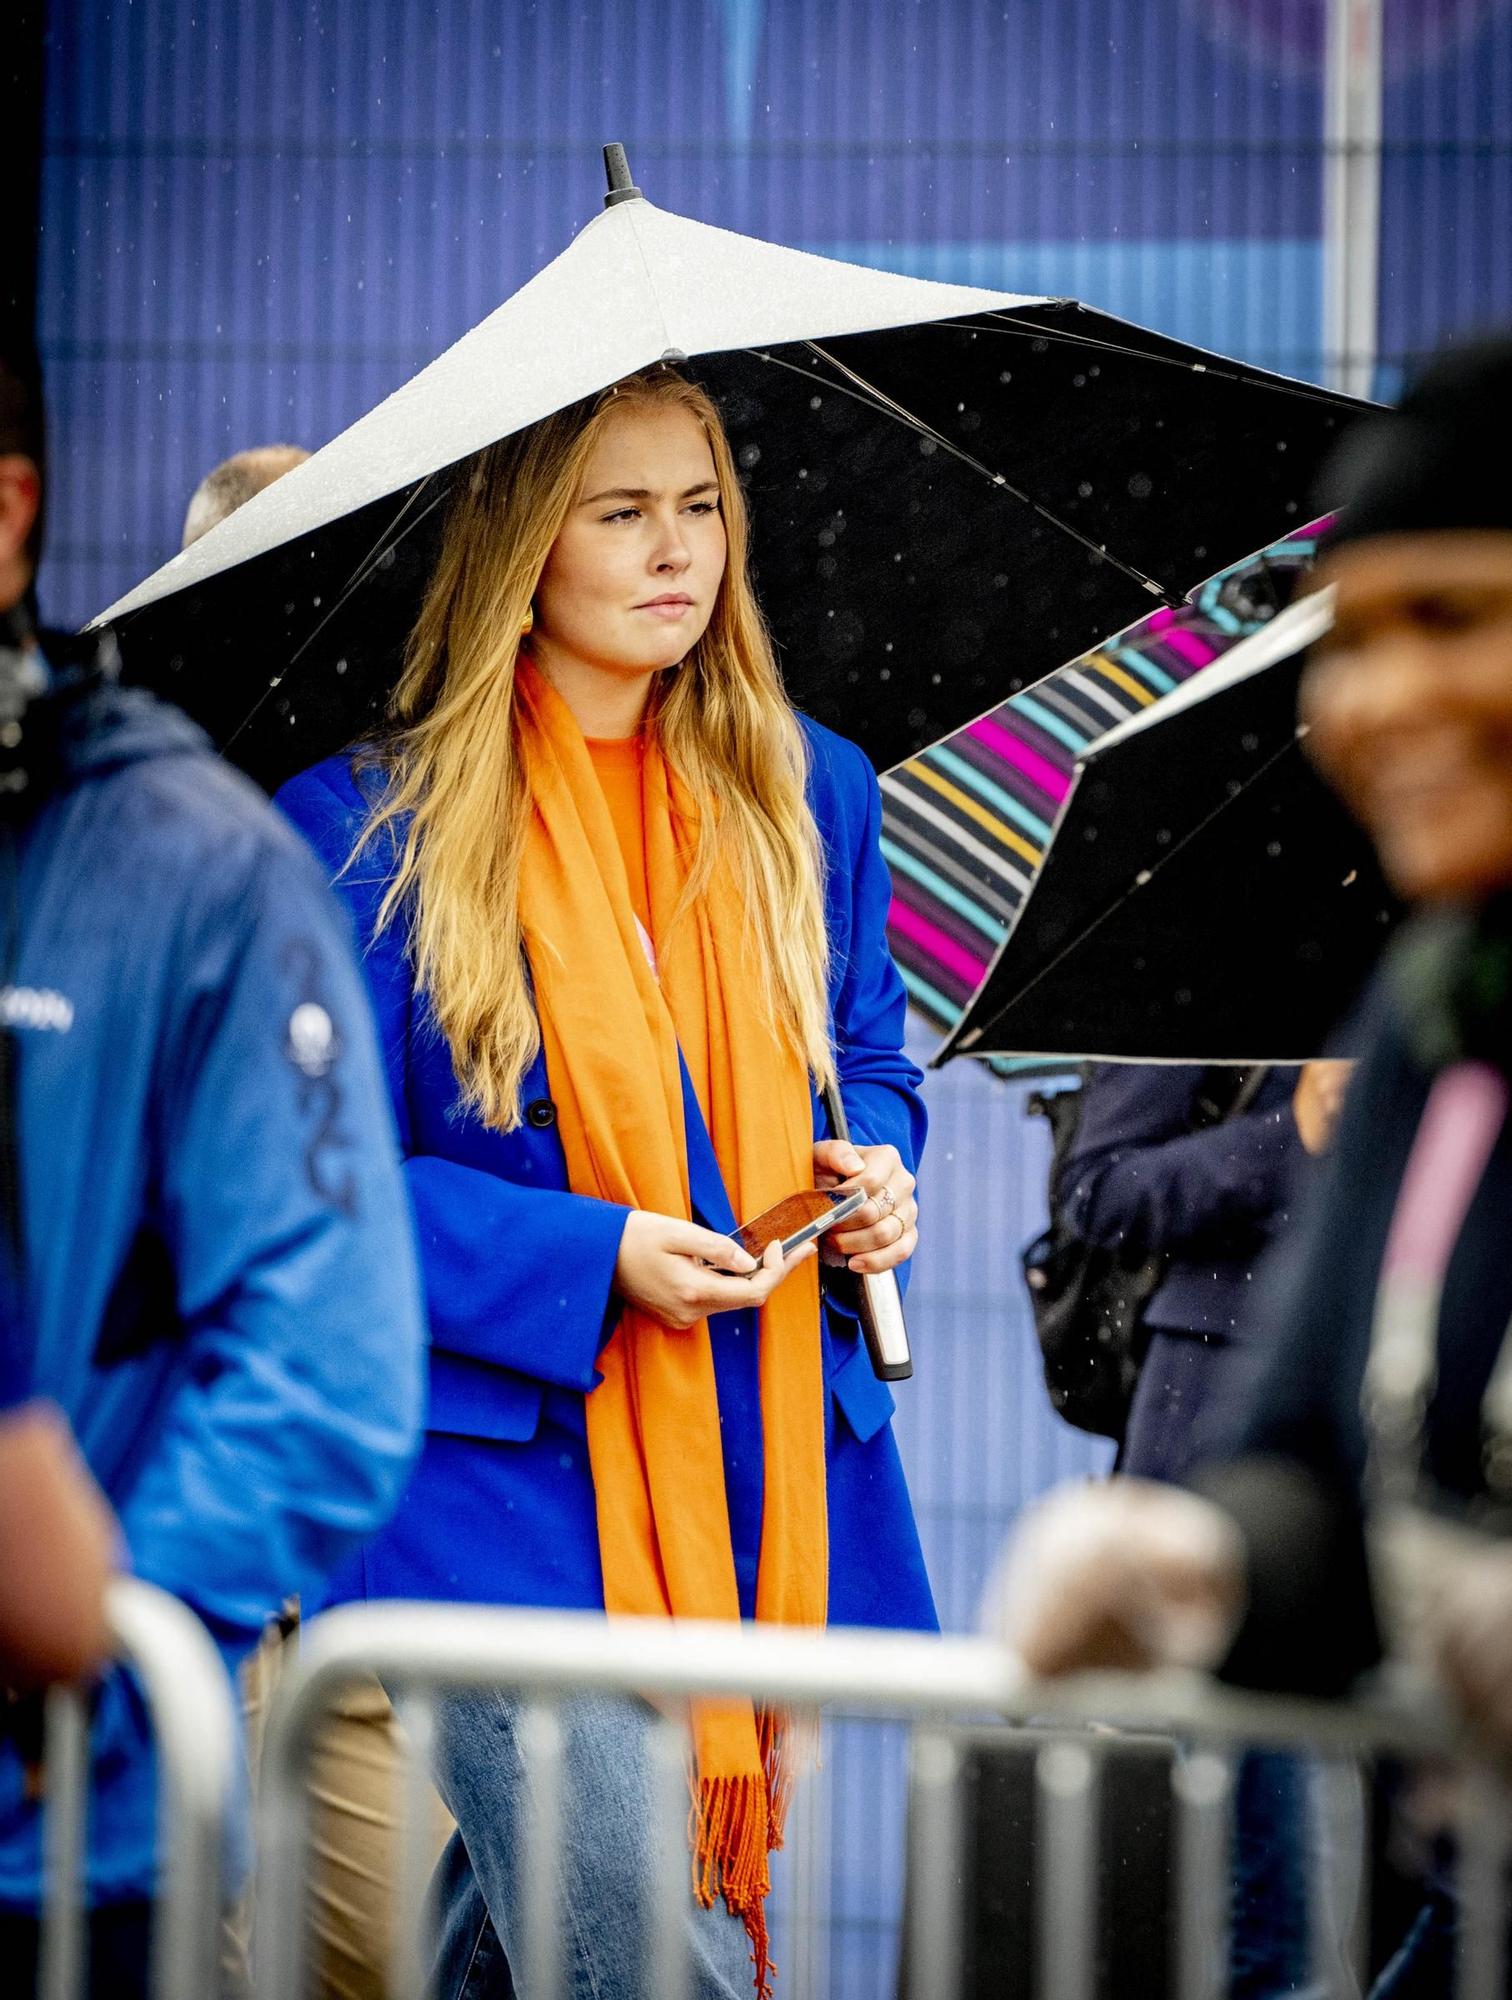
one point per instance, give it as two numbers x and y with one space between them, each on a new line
1222 617
1136 663
963 906
984 788
1051 724
927 997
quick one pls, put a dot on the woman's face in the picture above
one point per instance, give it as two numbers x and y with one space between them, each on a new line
630 584
1410 706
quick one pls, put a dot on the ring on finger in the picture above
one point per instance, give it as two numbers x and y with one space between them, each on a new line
887 1201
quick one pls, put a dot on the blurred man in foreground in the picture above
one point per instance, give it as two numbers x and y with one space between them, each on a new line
1363 1497
215 1279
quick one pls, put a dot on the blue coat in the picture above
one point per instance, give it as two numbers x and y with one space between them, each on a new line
519 1272
220 1281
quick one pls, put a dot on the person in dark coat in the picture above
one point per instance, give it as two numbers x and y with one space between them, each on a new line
1155 1171
1358 1502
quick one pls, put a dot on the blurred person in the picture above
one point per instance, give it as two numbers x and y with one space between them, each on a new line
624 910
1359 1502
57 1538
358 1752
213 1279
233 482
1196 1168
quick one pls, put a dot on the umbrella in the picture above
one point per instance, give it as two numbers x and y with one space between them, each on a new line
953 490
1205 897
966 823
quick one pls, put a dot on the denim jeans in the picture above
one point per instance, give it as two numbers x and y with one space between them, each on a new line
605 1872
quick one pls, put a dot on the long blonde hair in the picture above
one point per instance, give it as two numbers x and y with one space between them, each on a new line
457 803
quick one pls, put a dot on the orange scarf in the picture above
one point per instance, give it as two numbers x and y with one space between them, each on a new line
611 1029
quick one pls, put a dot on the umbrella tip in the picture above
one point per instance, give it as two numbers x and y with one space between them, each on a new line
617 171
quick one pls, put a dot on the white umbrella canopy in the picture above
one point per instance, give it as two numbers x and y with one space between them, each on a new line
637 285
952 490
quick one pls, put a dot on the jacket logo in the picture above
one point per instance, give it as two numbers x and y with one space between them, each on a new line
35 1007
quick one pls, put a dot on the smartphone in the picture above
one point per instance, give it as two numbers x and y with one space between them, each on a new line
799 1219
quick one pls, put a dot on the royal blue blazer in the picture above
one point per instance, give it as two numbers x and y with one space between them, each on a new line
519 1271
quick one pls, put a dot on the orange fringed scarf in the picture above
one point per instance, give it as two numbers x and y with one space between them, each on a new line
612 1028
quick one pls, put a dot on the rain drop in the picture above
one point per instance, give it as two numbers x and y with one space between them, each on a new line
887 648
750 454
341 666
1006 376
1141 486
1078 381
884 674
1273 848
1084 488
816 402
927 447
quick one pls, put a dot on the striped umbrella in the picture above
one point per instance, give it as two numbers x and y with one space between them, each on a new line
966 823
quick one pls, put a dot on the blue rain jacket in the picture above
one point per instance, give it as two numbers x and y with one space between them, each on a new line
519 1271
220 1283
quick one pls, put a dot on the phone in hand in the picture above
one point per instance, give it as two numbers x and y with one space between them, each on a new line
798 1219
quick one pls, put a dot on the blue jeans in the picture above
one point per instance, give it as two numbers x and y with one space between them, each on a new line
605 1875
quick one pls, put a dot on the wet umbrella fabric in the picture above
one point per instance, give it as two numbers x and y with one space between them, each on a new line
966 823
953 491
1205 897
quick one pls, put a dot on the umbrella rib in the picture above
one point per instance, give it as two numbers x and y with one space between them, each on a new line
354 583
890 407
1145 876
1019 329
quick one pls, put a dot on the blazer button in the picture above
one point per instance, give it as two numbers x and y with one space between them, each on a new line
541 1113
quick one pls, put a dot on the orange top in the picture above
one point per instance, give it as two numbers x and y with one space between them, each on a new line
617 764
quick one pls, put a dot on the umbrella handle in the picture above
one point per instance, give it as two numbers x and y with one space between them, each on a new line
876 1298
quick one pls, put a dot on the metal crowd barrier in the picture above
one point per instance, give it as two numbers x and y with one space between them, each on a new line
189 1705
422 1651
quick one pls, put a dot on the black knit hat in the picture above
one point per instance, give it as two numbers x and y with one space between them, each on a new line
1441 460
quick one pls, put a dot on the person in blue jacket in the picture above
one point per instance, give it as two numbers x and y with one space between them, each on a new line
216 1283
589 661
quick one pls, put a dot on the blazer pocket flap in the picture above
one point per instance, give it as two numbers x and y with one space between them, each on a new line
864 1402
471 1398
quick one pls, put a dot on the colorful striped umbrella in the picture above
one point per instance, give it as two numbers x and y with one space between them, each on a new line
966 823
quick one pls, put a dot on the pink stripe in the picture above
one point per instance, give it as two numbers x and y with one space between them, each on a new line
1054 783
944 950
1197 652
1466 1109
1159 620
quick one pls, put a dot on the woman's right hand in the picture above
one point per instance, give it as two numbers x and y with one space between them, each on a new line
668 1269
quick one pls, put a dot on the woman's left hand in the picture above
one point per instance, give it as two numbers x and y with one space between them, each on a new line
883 1232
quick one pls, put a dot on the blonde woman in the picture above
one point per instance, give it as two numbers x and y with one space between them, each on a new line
623 912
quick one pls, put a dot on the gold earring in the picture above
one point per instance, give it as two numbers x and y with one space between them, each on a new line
527 624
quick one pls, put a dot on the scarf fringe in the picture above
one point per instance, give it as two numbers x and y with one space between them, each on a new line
736 1822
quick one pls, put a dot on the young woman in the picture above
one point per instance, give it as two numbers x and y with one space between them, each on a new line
624 911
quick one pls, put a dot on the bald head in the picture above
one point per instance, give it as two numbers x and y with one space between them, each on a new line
233 483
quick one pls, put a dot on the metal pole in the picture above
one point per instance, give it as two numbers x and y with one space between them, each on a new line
413 1945
668 1939
1202 1783
1065 1866
542 1752
1351 193
64 1820
934 1866
194 1722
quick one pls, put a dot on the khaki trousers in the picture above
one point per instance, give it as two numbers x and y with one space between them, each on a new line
354 1780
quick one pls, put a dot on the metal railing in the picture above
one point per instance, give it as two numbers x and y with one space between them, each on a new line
424 1651
189 1706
